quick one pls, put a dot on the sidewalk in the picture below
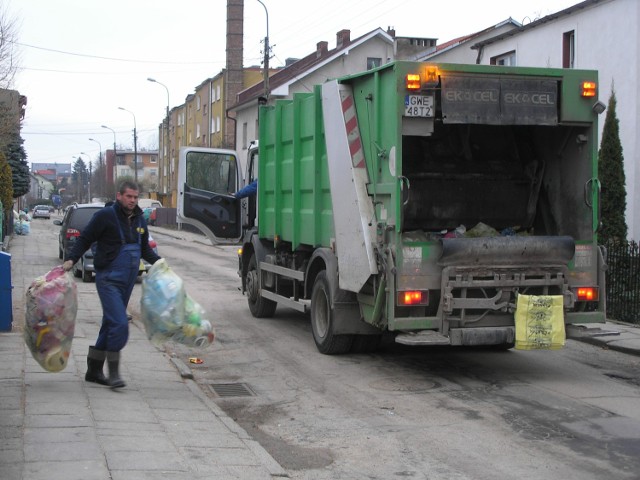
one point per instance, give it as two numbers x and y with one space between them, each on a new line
56 426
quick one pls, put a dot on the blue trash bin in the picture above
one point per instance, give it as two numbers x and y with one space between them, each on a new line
6 308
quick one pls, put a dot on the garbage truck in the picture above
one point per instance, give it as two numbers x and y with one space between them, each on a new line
417 201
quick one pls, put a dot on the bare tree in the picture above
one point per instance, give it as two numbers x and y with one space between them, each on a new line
9 53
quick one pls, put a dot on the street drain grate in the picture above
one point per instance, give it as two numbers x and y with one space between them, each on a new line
231 390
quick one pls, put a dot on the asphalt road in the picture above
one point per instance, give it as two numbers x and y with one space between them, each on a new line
407 412
403 412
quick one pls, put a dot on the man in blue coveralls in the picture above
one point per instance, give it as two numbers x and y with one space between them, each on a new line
122 238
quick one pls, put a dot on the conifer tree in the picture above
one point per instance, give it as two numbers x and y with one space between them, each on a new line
6 188
611 173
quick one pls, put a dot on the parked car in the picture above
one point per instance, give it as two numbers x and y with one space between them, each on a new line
84 267
75 219
41 211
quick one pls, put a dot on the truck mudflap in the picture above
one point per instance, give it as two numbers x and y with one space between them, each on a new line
514 250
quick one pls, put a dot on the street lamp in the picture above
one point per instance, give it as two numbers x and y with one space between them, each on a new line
99 163
135 145
165 167
115 157
266 54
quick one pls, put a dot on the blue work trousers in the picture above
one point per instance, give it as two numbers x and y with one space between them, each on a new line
115 284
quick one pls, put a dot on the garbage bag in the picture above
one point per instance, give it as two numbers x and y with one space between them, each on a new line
539 322
51 307
22 227
169 313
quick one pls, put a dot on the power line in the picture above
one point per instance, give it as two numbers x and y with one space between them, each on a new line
107 58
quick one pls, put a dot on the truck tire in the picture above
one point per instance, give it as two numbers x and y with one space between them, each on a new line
322 320
260 307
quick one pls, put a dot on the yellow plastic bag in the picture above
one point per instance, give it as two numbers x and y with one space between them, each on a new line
539 322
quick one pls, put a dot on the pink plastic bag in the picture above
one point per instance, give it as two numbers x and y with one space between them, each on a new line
52 304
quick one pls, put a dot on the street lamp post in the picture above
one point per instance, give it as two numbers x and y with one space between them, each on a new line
100 172
266 54
135 145
166 166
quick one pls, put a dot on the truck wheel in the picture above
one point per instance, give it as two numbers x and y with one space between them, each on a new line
260 307
322 320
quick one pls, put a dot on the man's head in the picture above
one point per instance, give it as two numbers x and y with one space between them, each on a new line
127 195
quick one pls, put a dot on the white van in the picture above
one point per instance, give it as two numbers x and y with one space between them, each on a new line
148 202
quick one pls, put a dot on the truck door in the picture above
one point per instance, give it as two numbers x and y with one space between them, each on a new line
207 179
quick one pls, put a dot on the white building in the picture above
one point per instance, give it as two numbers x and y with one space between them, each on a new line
600 35
350 56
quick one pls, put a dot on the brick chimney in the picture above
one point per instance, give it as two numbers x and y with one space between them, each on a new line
234 75
391 31
322 48
343 38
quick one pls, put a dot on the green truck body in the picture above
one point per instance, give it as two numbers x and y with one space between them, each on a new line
421 199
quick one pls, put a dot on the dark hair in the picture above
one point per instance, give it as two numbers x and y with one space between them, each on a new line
125 184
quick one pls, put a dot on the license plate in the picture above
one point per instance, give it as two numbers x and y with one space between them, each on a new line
418 106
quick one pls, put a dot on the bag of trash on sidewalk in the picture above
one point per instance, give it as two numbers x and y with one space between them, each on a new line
22 227
52 304
539 322
169 313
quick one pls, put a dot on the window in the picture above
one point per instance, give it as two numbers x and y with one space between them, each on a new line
217 124
373 62
568 49
154 159
198 130
506 59
217 92
212 172
197 102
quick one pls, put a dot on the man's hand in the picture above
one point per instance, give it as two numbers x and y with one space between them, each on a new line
68 265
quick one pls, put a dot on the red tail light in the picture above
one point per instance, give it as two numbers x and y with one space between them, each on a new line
413 297
587 294
153 244
72 232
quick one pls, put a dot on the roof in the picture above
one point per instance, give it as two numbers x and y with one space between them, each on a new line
465 38
546 19
307 65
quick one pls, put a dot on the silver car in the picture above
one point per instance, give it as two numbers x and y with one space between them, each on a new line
41 211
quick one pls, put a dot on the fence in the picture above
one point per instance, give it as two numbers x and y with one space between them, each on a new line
623 281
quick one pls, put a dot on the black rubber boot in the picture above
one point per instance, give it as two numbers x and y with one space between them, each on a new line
113 359
95 366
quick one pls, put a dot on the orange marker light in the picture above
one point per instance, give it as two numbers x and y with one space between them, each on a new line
589 89
413 81
433 74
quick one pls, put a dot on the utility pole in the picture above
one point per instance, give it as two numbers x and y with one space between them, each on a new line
135 145
266 54
115 157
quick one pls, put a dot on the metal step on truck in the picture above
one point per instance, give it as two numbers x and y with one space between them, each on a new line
416 199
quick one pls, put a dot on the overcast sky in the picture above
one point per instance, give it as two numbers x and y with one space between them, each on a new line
82 59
